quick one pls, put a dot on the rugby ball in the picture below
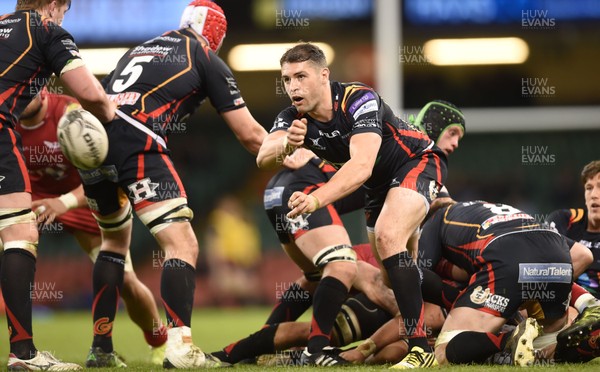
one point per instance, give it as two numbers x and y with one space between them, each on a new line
82 139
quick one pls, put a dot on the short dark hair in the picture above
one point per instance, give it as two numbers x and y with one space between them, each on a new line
304 52
37 4
590 171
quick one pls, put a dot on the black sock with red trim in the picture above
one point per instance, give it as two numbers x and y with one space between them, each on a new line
292 303
327 302
405 281
258 343
108 284
17 281
474 347
177 286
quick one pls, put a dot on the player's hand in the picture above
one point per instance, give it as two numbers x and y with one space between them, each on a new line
296 132
298 158
353 356
47 210
300 203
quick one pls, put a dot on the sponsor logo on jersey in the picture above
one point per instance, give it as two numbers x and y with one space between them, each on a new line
280 123
369 106
545 272
169 39
504 218
356 104
9 21
155 50
489 300
366 123
93 176
273 197
125 98
5 32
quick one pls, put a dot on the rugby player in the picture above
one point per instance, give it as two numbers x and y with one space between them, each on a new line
155 84
34 47
58 195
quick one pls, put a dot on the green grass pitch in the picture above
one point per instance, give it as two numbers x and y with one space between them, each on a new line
68 335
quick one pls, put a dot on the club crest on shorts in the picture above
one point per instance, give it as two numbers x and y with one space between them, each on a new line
479 295
142 190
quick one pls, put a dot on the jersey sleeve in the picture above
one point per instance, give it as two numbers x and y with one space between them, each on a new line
363 111
58 47
559 219
283 121
219 83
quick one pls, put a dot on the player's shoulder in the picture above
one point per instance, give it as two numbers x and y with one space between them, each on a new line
573 215
354 90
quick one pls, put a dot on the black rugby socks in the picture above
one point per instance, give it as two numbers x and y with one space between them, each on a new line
108 284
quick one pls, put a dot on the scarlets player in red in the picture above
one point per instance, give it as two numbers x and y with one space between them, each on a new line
58 195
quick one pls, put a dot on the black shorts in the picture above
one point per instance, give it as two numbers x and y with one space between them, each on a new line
13 169
357 320
520 269
424 174
136 168
306 179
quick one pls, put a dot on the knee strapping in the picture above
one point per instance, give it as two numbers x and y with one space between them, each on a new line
119 222
342 252
14 216
28 246
446 336
346 329
174 210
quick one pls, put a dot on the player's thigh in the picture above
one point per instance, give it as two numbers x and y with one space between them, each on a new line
87 241
313 241
402 212
469 319
295 254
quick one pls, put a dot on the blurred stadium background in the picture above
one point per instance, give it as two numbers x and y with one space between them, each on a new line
532 105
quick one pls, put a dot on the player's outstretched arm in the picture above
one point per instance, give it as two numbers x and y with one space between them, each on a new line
247 130
88 91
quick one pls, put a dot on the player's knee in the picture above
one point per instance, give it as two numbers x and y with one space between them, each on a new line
169 212
20 246
343 270
18 234
386 239
115 222
441 347
18 217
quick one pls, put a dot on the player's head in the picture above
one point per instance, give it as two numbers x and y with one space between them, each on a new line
208 20
305 76
590 176
34 107
443 122
53 9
